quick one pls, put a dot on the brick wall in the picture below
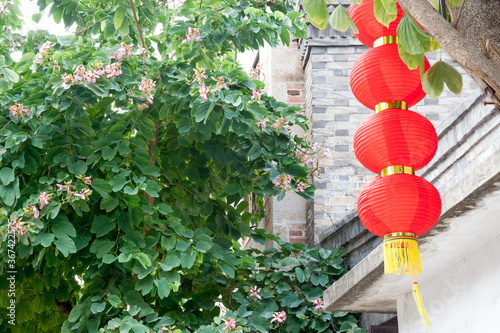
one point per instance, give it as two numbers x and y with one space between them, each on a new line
295 94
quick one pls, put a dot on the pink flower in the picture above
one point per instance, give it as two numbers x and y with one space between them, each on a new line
44 199
254 73
230 324
67 80
254 292
44 50
256 95
278 123
283 181
16 226
193 35
319 304
147 87
280 317
220 83
113 70
300 187
60 187
123 52
143 106
204 91
18 110
36 214
199 75
87 180
263 123
83 194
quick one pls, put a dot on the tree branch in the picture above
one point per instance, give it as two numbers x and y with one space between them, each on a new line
482 69
137 24
64 307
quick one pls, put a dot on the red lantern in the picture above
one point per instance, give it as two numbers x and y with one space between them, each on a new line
395 137
369 28
399 207
380 75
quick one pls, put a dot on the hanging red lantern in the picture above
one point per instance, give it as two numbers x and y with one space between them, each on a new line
380 76
369 28
395 137
399 207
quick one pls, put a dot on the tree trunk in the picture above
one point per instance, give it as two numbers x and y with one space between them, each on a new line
480 18
463 45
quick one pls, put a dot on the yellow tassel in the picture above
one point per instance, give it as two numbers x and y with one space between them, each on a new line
401 256
420 306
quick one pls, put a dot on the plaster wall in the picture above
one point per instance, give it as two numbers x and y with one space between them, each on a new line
463 296
284 78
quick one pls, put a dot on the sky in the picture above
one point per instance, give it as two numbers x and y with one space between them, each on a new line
28 8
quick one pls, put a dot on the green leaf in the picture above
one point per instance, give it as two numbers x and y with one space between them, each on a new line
7 175
63 228
188 258
456 3
340 20
412 61
10 75
356 2
108 258
102 225
260 323
124 28
66 245
163 288
102 187
97 307
114 300
381 13
390 6
299 272
296 170
144 260
36 17
171 261
75 313
228 270
412 37
440 73
108 153
165 209
109 204
101 247
202 110
44 239
254 152
317 12
119 16
118 182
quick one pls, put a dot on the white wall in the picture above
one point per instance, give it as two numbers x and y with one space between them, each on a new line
461 297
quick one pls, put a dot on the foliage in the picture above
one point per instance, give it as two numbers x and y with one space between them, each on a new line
413 41
289 281
124 170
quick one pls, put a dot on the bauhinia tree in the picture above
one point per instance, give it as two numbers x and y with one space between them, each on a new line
127 153
467 30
